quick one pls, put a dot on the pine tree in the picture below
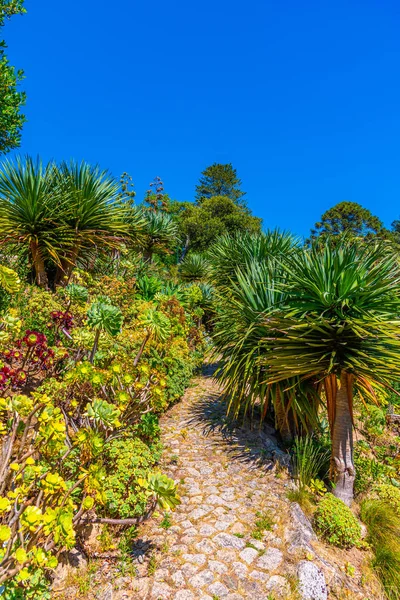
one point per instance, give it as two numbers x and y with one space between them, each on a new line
220 180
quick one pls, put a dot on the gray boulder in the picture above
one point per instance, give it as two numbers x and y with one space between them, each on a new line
312 585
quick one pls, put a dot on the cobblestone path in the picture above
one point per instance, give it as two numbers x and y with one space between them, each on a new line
213 548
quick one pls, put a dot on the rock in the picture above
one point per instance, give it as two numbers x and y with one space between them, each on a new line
225 540
184 595
217 567
161 590
67 561
248 555
238 528
197 559
207 530
178 578
300 533
161 574
201 579
107 593
312 585
90 534
76 559
189 570
218 589
257 544
206 546
259 575
240 569
279 586
142 586
270 560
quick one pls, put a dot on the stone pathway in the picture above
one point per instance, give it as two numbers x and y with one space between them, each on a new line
213 548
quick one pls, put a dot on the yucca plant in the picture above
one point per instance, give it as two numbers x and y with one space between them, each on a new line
94 213
31 213
241 328
233 254
160 233
339 327
194 267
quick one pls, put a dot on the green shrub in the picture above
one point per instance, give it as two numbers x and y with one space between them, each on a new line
335 522
384 536
369 471
128 460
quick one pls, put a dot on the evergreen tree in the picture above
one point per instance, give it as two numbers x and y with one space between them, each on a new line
11 100
220 180
347 218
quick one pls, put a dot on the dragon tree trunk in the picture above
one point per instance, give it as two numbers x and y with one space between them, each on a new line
342 465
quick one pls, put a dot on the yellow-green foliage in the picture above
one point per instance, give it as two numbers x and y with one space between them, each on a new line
391 495
335 522
384 536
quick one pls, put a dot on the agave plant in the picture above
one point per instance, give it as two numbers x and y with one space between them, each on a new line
103 317
94 213
339 327
31 213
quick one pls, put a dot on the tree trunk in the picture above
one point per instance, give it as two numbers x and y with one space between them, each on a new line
282 419
141 349
95 346
38 264
64 270
185 249
342 464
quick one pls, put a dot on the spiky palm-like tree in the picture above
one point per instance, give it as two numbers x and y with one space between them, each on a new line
246 270
241 328
233 253
95 215
160 233
340 327
31 212
194 267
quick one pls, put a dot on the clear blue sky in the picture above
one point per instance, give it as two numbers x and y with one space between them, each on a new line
302 97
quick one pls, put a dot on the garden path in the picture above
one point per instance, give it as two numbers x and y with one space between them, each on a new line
208 551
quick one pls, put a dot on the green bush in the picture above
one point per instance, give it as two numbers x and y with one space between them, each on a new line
335 522
128 460
369 471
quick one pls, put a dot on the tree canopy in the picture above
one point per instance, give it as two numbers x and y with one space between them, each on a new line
347 218
220 180
202 224
11 100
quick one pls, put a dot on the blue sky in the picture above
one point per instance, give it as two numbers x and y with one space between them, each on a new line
302 97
